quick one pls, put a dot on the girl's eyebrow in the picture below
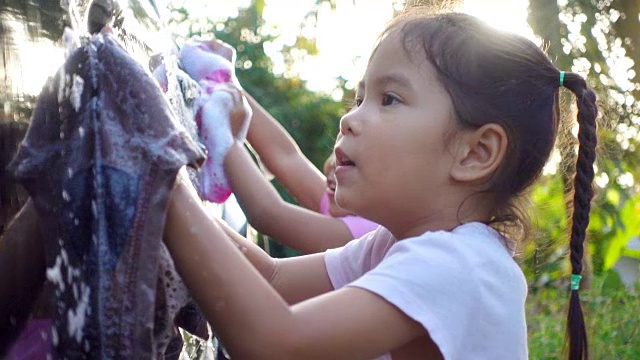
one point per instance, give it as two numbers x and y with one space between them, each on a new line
386 79
395 79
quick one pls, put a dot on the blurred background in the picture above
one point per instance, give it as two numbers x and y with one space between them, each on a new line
301 59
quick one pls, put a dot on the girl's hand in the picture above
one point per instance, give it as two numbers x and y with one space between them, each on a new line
221 48
240 112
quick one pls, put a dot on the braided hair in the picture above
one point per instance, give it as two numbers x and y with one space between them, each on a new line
583 193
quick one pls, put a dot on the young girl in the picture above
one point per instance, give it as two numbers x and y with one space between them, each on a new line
318 223
454 121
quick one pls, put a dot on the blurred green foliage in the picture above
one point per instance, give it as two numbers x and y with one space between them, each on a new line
597 39
611 313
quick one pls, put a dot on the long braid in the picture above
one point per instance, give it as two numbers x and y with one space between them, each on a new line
583 193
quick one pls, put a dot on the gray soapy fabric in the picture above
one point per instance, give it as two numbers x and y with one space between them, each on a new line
99 161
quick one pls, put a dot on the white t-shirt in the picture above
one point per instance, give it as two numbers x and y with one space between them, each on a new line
463 286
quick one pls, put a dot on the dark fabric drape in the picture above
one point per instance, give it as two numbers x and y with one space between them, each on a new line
99 161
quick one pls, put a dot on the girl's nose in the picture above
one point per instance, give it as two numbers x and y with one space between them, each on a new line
349 124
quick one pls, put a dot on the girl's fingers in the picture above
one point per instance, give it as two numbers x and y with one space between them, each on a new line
236 94
240 112
223 49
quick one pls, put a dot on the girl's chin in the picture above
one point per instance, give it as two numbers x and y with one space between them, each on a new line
338 212
335 210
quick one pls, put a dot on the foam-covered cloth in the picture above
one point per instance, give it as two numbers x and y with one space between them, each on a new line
206 70
99 161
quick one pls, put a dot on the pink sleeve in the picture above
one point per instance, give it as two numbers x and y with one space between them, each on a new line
351 261
358 226
324 204
34 341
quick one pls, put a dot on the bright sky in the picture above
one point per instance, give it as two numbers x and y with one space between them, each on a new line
30 66
344 36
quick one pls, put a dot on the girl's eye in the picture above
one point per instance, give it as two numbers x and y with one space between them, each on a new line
357 102
388 99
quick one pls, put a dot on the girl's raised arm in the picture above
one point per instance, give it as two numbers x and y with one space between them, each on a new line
282 156
293 226
253 320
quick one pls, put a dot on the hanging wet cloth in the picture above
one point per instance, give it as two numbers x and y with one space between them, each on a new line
99 161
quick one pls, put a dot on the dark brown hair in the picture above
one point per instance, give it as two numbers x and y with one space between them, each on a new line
503 78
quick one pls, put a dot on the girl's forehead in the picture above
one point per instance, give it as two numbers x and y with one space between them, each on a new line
392 63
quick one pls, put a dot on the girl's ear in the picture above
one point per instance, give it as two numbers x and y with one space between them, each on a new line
479 153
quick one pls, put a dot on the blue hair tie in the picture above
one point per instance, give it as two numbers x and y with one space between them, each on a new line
561 78
575 281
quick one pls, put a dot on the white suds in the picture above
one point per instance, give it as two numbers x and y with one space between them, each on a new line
76 92
76 318
54 274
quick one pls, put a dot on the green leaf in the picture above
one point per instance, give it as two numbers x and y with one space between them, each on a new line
629 215
612 283
632 253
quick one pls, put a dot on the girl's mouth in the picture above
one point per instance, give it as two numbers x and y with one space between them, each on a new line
342 159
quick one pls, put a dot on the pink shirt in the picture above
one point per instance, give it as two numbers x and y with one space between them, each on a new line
34 342
357 225
462 286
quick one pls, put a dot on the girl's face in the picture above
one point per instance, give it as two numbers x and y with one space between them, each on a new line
329 171
395 154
